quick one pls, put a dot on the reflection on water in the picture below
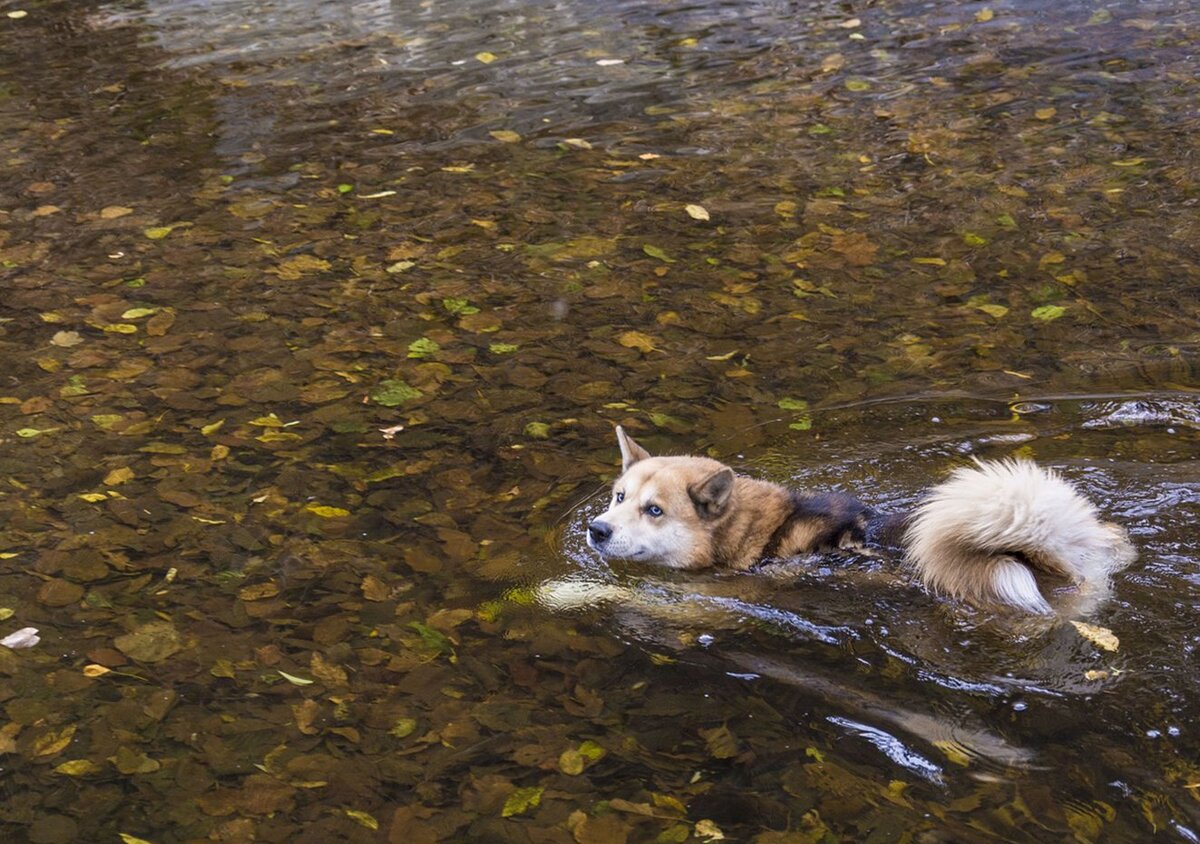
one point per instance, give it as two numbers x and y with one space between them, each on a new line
316 320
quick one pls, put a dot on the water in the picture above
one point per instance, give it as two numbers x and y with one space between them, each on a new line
317 318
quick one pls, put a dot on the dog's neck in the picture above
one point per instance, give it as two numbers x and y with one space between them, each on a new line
757 511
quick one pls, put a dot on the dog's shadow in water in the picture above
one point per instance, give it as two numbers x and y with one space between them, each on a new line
853 633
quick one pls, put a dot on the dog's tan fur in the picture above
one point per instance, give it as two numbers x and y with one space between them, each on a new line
985 536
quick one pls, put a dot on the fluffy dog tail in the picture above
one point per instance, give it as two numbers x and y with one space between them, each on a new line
984 533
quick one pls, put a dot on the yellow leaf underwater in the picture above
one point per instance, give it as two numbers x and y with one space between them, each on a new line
326 512
696 212
637 340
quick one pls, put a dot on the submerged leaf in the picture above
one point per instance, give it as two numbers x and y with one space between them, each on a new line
657 252
522 800
1048 312
394 392
293 679
637 340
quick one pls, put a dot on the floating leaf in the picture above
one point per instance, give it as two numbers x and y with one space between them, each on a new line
26 637
996 311
522 800
792 404
984 15
485 57
696 212
505 136
935 262
1101 637
502 348
858 85
138 313
1045 113
1129 162
158 232
972 239
112 212
126 838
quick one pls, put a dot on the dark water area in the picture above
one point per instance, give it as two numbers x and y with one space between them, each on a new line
315 322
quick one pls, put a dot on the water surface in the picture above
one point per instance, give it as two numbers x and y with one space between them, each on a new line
316 319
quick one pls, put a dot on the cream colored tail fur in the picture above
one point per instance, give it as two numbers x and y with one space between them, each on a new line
983 533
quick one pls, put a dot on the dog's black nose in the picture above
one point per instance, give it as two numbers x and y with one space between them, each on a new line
599 531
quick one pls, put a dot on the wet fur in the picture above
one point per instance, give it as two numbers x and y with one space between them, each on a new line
988 535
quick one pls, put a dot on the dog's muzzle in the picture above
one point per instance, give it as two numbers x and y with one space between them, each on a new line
598 533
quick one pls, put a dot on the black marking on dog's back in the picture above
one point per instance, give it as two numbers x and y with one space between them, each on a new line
839 518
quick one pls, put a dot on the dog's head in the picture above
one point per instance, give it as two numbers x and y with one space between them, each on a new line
663 509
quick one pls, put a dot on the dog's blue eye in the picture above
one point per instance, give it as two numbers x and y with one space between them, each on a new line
620 497
654 510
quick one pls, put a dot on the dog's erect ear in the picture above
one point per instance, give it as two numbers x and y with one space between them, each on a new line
711 495
631 452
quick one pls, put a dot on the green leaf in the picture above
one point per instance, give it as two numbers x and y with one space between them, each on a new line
656 252
459 307
503 348
792 404
1048 312
394 392
423 348
344 188
432 639
537 430
522 800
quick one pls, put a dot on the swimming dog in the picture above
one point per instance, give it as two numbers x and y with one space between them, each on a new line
992 534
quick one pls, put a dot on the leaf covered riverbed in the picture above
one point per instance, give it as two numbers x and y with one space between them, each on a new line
316 319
